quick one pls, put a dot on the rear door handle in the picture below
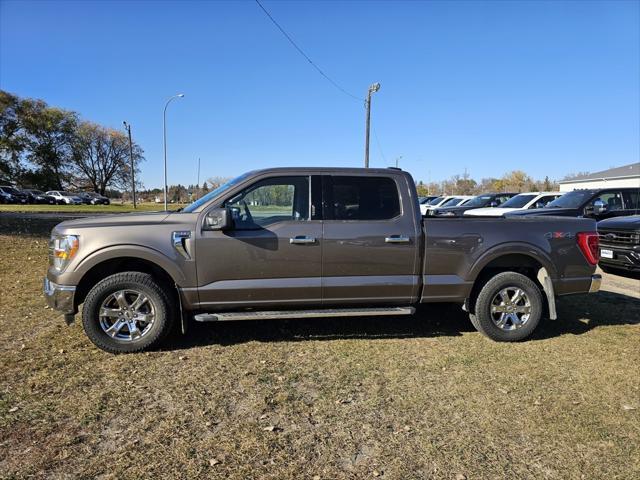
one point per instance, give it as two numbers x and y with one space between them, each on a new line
397 239
302 240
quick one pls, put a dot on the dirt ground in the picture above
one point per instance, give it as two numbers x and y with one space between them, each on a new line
423 397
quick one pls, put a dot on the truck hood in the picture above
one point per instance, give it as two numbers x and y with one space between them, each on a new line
631 222
116 220
556 212
489 212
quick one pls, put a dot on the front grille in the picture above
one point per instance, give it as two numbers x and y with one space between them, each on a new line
619 237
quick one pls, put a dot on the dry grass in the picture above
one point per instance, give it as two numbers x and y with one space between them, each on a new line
424 397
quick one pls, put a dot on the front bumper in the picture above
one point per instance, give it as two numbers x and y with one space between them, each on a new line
596 281
627 258
60 297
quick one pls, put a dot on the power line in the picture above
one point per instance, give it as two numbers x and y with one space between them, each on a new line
375 135
291 41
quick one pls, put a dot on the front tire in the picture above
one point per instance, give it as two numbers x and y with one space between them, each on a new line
128 312
508 308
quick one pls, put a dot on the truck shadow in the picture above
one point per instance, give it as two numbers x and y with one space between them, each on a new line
577 315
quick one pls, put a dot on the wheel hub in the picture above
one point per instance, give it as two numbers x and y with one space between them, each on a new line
126 315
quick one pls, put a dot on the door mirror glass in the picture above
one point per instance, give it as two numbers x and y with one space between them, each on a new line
599 207
217 219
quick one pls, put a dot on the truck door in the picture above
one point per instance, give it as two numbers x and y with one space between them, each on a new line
271 256
371 238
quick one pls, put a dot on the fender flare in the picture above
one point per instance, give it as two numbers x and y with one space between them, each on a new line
513 248
136 251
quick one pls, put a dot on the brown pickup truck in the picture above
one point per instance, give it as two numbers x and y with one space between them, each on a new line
311 242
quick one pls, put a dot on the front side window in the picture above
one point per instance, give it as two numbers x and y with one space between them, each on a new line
631 199
612 201
363 198
270 201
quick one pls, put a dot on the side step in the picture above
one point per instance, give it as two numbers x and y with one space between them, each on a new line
283 314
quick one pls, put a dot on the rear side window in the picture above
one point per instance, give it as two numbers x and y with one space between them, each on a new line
362 198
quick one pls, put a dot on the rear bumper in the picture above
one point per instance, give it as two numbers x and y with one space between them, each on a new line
573 285
59 297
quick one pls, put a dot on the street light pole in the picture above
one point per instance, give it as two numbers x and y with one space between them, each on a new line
398 160
367 105
133 171
164 141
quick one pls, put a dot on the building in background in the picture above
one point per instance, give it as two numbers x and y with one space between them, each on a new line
625 176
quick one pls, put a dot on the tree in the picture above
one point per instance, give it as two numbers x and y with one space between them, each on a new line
101 160
49 135
12 140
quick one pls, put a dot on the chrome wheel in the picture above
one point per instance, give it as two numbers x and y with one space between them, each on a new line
126 315
510 308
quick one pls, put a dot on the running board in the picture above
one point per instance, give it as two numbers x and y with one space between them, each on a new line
287 314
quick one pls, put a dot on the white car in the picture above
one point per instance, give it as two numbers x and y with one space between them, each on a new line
435 203
65 197
522 201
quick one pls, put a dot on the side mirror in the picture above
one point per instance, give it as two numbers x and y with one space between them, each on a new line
599 207
494 203
217 219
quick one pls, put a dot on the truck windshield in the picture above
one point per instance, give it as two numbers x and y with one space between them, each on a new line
518 201
452 202
570 200
214 193
479 201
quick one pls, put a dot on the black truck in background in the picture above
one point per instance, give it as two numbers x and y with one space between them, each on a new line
592 203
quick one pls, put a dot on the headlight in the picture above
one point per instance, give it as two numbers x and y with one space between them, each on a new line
62 249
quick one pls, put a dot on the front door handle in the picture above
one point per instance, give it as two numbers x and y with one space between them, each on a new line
397 239
302 240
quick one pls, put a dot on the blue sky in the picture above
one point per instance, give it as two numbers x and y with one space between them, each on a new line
547 87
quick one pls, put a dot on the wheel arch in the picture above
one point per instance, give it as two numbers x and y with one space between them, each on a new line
104 267
526 259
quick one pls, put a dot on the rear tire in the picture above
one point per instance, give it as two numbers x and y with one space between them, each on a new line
508 308
128 312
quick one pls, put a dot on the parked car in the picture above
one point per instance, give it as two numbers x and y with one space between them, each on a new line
522 201
435 203
12 195
93 198
484 200
620 243
593 203
304 242
427 199
38 196
456 201
65 198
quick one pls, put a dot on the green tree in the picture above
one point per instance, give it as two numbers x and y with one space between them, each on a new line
49 135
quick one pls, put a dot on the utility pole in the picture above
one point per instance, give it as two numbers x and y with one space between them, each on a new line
373 88
133 171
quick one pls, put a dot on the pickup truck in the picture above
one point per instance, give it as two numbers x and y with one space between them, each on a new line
311 242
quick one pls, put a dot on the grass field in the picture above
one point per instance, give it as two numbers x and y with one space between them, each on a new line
113 208
423 397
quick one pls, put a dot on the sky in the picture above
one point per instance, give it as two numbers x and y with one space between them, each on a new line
548 87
